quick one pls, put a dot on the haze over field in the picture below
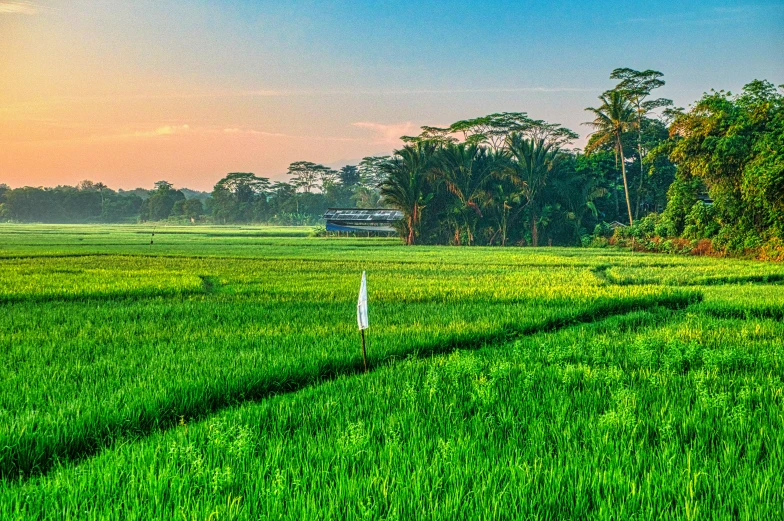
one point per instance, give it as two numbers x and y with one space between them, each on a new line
129 93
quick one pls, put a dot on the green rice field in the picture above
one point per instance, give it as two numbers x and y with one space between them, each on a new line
210 373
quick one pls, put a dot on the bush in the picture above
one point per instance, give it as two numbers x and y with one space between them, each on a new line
602 229
318 231
646 227
701 222
772 250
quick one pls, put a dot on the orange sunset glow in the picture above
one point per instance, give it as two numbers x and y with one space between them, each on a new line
128 93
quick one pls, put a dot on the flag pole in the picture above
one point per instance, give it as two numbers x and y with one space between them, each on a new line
364 354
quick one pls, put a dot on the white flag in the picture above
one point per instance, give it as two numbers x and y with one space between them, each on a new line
362 312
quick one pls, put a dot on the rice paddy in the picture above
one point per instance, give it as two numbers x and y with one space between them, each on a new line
216 373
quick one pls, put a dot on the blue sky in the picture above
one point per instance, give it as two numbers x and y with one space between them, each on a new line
127 92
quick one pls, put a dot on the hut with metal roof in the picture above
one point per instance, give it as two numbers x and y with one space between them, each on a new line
377 220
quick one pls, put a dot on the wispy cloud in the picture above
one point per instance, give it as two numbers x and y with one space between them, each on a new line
167 130
388 133
412 92
183 131
713 16
26 110
262 133
8 7
254 132
125 134
480 90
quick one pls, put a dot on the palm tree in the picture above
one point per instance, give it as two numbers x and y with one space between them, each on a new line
613 117
501 198
637 86
577 192
532 162
100 186
466 170
405 184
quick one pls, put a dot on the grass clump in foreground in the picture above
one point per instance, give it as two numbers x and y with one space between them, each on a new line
505 384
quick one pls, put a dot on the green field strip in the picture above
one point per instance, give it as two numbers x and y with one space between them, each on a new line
27 453
613 419
517 381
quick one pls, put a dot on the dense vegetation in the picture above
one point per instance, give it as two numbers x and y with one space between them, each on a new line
714 172
215 372
652 175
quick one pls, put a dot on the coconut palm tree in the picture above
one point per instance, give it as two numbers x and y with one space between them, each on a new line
577 192
611 119
531 163
637 86
405 184
466 170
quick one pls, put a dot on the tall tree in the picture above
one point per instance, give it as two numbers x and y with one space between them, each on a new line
637 86
349 176
493 129
436 136
612 119
405 184
239 197
161 202
101 187
371 172
308 175
466 170
735 144
531 165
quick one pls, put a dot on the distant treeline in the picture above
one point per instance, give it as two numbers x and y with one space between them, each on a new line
90 202
238 198
650 172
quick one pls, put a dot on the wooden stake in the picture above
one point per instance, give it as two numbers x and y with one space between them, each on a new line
364 355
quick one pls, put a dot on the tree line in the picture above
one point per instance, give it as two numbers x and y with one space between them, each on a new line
649 172
238 198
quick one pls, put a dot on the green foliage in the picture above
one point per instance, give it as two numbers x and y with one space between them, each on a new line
614 117
682 196
732 143
405 185
493 188
701 222
307 175
160 204
240 197
506 178
349 176
67 204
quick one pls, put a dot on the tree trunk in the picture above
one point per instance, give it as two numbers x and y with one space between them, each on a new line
642 174
410 238
615 187
625 184
534 231
503 226
617 200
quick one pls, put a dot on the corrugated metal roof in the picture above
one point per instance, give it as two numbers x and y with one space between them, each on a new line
370 215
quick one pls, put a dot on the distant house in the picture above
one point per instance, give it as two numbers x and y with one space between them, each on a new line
362 219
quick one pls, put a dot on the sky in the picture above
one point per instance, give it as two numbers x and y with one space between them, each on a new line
129 93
